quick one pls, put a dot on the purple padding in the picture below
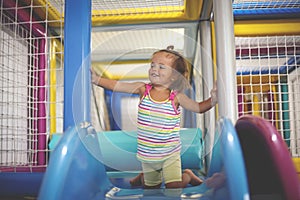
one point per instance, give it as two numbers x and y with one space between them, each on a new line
269 165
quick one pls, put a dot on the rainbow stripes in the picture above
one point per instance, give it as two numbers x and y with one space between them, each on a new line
158 129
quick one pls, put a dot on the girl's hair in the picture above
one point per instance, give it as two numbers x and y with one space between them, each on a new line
181 72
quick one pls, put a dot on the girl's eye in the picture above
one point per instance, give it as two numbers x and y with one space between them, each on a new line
159 66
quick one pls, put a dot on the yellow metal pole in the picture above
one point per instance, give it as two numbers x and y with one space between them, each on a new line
53 87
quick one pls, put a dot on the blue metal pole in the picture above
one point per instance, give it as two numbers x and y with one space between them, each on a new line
77 31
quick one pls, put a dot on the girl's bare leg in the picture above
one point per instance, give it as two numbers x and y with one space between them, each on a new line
138 180
195 180
188 177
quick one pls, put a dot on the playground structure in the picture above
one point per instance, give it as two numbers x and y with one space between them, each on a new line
271 88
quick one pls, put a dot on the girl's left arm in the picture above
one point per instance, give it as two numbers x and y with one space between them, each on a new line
194 106
198 107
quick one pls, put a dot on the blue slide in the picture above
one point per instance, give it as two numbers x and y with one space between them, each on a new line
77 169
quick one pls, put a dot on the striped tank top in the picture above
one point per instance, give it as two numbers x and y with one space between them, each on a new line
158 128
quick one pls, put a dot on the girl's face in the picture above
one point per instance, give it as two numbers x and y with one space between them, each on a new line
161 71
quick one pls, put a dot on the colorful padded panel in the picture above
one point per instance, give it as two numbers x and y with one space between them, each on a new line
269 166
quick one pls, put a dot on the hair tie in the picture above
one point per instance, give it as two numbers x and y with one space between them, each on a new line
170 47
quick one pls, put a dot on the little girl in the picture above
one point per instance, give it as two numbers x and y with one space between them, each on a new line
159 114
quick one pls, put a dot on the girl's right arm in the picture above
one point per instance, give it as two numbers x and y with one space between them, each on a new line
118 86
